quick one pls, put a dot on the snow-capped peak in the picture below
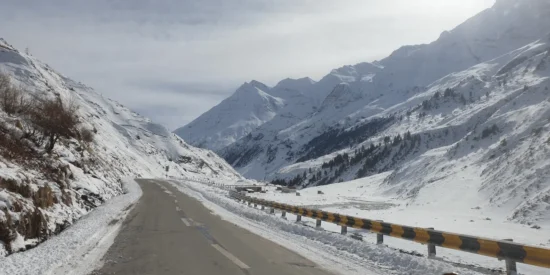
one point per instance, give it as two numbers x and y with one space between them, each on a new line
301 84
4 44
253 85
357 70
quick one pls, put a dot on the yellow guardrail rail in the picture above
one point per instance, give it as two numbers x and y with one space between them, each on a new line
501 249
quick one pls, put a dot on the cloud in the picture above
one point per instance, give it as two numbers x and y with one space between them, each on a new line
196 51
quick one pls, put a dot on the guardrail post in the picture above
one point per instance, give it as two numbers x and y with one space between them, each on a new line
511 266
263 207
283 214
272 211
318 223
344 230
255 205
431 247
379 237
298 218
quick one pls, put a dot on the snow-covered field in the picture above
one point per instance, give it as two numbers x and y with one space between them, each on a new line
438 209
78 249
340 253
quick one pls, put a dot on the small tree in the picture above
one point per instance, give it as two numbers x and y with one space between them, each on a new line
55 119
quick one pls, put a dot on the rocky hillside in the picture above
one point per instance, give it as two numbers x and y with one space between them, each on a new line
64 149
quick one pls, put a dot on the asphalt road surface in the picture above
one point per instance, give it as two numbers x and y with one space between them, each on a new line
168 232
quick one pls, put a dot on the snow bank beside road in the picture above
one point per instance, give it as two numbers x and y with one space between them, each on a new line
331 251
79 248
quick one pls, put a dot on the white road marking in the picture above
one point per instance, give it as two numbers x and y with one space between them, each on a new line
186 222
178 208
197 224
230 256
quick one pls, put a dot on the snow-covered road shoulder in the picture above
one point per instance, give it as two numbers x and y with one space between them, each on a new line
79 248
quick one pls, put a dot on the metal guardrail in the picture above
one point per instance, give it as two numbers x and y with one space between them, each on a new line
506 250
226 186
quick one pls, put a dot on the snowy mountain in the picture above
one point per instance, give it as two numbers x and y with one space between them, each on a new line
508 25
249 107
472 104
43 192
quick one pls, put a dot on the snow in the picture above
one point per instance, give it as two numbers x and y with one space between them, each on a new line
331 251
79 248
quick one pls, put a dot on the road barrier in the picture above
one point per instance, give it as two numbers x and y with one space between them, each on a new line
506 250
237 187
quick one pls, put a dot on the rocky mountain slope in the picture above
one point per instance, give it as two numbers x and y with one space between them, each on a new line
472 104
43 190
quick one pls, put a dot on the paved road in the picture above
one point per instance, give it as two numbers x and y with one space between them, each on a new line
168 232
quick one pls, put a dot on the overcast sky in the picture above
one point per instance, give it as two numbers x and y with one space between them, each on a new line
172 60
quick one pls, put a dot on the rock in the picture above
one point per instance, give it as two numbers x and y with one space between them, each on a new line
357 236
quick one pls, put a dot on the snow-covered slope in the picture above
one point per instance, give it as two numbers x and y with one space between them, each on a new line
483 132
34 204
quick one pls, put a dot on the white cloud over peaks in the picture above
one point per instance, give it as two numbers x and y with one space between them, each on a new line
173 60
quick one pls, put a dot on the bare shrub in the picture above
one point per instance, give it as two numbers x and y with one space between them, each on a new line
15 148
86 135
13 186
12 100
55 119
